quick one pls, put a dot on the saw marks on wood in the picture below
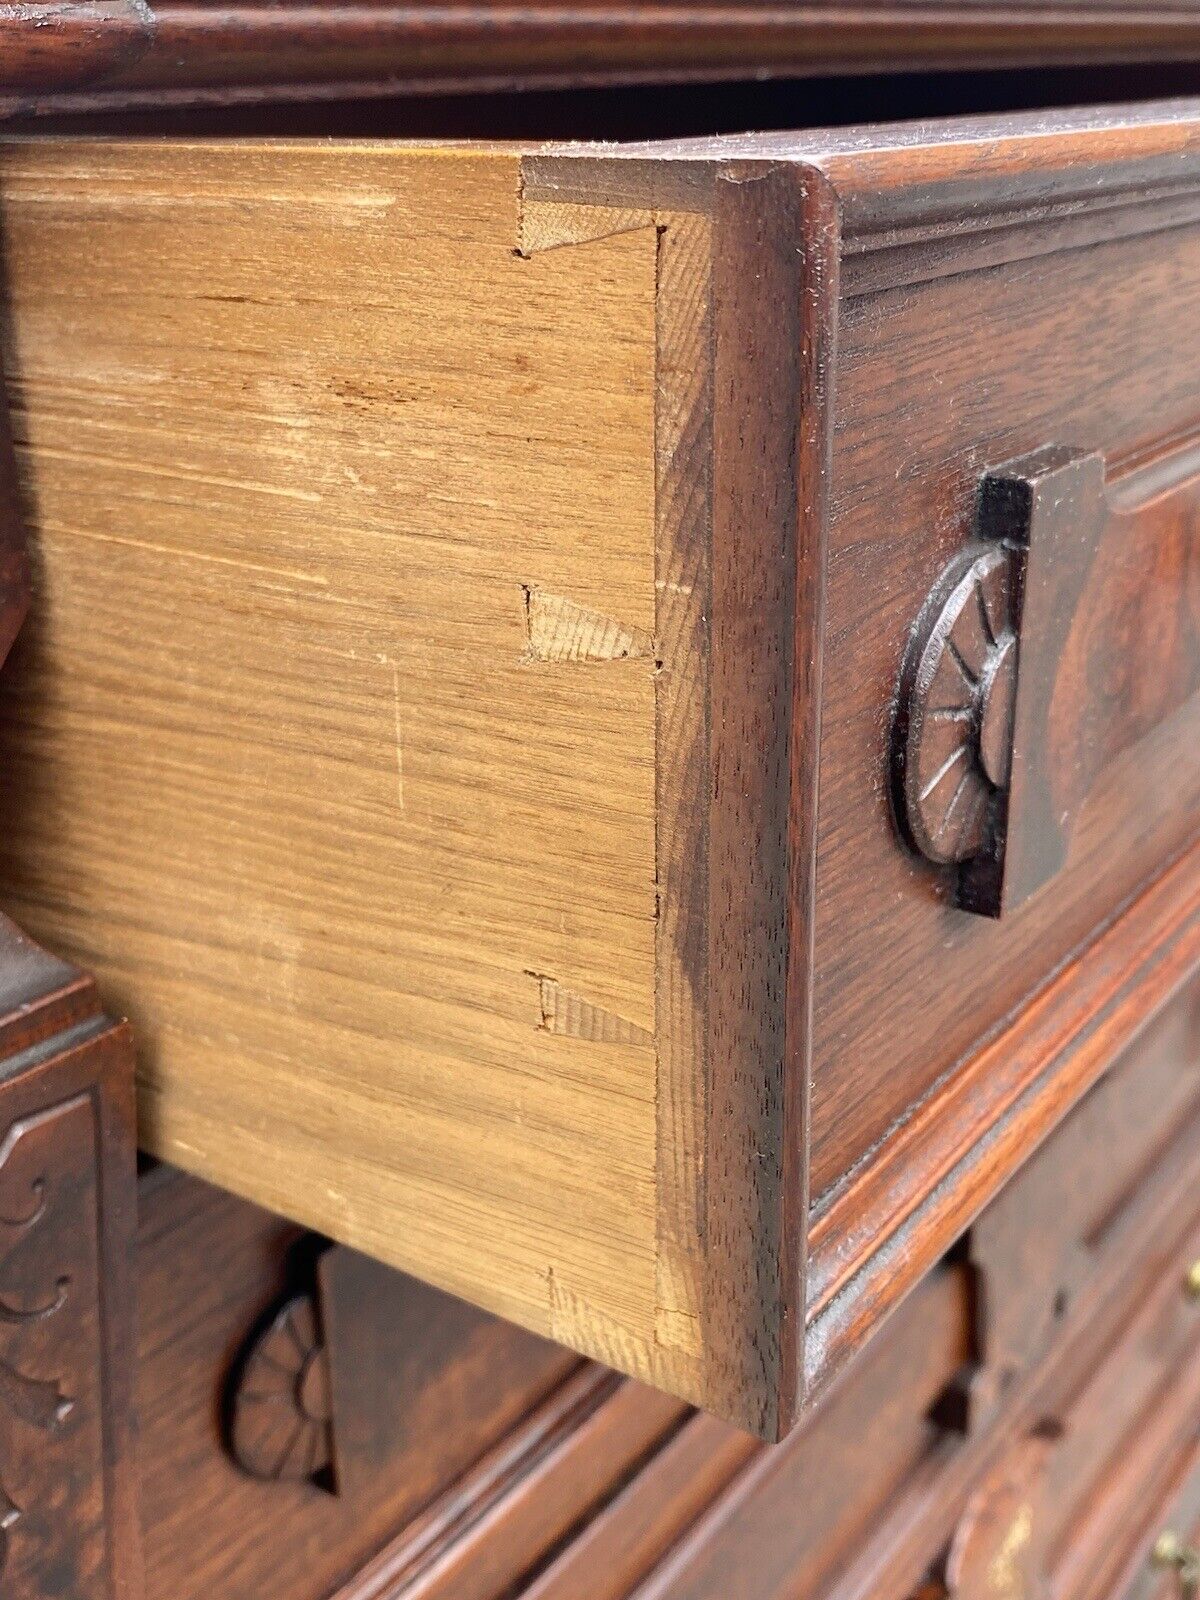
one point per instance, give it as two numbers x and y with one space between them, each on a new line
559 630
570 1014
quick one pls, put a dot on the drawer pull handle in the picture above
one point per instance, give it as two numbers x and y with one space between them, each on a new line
1191 1281
281 1425
1171 1553
1066 631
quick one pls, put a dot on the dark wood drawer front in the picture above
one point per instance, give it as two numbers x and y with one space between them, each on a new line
956 361
1060 1485
1089 1203
1073 1506
132 54
247 1485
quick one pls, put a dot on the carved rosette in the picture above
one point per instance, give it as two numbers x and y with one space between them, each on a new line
952 734
280 1426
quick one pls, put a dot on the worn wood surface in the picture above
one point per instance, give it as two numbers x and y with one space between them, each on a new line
399 732
484 705
120 52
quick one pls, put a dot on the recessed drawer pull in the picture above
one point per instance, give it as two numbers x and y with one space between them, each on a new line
1171 1552
1064 633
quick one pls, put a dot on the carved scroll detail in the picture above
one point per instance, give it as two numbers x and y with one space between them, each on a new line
49 1350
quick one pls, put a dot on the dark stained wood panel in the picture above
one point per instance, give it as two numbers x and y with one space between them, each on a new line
89 53
1064 344
210 1268
68 1473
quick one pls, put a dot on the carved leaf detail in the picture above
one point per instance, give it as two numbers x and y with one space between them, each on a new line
38 1190
35 1401
38 1402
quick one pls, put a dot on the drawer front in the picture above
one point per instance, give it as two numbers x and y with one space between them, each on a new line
1073 1506
483 613
168 51
1018 1427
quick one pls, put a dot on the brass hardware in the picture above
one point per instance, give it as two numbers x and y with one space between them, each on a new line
1191 1281
1171 1552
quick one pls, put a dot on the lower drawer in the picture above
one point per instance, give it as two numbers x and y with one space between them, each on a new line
241 1494
314 1425
1049 1477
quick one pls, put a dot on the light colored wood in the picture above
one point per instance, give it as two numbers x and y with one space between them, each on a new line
684 535
333 743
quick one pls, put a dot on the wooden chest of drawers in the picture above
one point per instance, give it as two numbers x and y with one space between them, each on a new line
622 718
603 693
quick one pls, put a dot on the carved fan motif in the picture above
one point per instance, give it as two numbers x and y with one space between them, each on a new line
281 1411
953 734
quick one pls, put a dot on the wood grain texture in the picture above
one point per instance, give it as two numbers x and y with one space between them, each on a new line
440 676
745 342
904 994
770 441
597 1490
121 52
522 567
397 828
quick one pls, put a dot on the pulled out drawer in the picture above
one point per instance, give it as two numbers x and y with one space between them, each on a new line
575 696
